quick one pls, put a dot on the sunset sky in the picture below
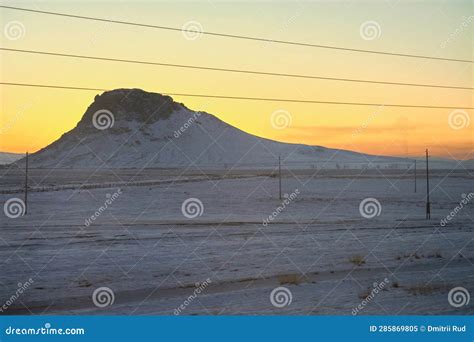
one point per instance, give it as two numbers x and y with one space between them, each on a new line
32 118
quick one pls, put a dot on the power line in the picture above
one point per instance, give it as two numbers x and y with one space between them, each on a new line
245 98
51 86
107 59
235 36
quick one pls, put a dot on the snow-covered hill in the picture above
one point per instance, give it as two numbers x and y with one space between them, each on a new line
131 128
8 158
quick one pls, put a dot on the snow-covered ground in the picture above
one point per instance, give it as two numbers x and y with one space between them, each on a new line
318 245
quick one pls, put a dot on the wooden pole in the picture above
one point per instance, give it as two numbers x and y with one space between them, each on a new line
279 173
26 184
415 175
428 204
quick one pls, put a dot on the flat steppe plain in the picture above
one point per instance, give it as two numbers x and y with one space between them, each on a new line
319 247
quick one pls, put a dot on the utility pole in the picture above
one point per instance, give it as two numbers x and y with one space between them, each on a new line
415 175
26 184
279 173
428 204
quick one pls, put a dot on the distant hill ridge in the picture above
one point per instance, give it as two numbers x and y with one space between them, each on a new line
132 128
8 158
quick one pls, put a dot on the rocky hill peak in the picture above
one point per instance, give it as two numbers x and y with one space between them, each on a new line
129 105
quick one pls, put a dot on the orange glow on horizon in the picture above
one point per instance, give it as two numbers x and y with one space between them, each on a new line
32 118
